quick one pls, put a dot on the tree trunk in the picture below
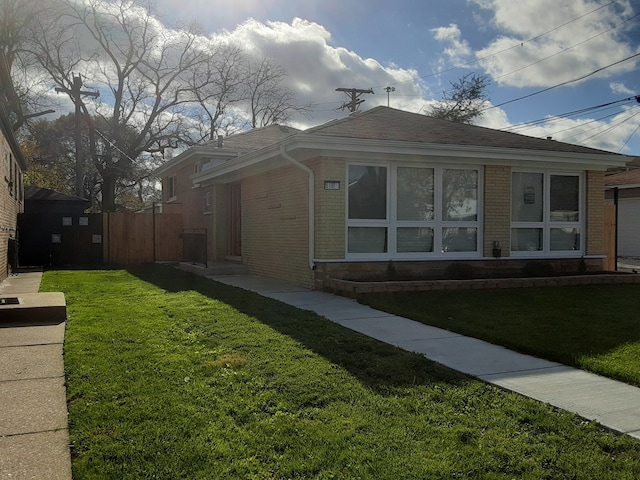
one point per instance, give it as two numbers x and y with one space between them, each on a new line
109 179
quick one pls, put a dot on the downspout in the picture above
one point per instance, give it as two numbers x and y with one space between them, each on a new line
311 202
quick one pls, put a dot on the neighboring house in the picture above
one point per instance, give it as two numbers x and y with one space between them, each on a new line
623 188
387 191
12 166
55 231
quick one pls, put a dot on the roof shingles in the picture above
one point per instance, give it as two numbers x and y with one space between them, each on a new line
384 123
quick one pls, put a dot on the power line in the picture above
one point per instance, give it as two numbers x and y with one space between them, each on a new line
582 77
517 45
567 48
533 123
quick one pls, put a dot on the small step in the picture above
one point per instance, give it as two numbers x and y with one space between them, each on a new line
33 308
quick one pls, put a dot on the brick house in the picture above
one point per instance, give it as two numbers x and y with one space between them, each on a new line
12 166
387 191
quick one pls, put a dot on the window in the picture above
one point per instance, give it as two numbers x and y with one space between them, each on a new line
546 213
412 211
171 187
367 200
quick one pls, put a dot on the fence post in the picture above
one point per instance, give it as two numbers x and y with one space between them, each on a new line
153 223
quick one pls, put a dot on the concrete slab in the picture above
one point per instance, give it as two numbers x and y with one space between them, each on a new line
257 284
343 313
302 299
37 456
32 406
38 361
394 329
34 308
611 403
473 356
24 282
12 334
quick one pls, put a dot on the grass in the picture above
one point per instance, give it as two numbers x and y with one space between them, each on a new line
173 376
593 327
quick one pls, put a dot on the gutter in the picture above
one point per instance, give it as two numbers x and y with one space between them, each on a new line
311 202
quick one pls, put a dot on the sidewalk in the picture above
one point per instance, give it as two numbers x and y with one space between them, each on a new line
34 440
613 404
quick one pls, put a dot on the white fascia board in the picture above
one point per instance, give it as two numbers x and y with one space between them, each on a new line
488 155
195 152
384 149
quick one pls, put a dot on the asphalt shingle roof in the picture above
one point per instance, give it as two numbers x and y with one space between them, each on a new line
384 123
257 138
630 177
45 195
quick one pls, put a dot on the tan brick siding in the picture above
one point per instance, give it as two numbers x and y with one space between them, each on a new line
275 225
497 209
330 208
595 213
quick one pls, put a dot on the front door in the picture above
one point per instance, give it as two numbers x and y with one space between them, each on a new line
235 221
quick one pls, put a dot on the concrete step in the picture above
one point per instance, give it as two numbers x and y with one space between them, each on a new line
33 308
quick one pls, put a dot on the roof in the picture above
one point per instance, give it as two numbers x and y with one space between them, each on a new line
39 194
630 177
384 123
257 138
232 146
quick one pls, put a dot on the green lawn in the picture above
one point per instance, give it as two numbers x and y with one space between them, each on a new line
594 327
172 376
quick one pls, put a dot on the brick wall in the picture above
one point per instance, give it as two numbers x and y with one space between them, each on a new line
497 209
595 213
330 208
275 225
11 200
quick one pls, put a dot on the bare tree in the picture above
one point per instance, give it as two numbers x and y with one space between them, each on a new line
140 70
218 87
270 101
16 22
464 102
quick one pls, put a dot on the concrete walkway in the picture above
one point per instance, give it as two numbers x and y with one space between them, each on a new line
34 439
613 404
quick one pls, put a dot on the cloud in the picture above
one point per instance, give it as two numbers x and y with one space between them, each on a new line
610 135
579 38
315 68
457 50
619 87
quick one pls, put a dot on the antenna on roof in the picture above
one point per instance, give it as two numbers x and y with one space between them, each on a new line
354 95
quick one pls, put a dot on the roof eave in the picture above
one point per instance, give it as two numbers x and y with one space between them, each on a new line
327 145
195 152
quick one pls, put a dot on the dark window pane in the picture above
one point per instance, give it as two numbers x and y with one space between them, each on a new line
367 192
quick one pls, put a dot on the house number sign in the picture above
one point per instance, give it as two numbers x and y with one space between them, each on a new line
332 185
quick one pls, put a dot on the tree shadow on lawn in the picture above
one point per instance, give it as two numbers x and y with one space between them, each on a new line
377 365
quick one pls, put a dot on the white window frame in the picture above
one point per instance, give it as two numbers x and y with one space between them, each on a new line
546 224
391 222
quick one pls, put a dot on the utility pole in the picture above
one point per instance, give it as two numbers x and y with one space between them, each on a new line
354 95
76 93
389 90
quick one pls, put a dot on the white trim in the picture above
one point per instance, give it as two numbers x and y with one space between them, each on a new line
391 223
361 149
547 224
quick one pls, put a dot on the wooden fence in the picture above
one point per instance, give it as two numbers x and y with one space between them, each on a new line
132 238
610 237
